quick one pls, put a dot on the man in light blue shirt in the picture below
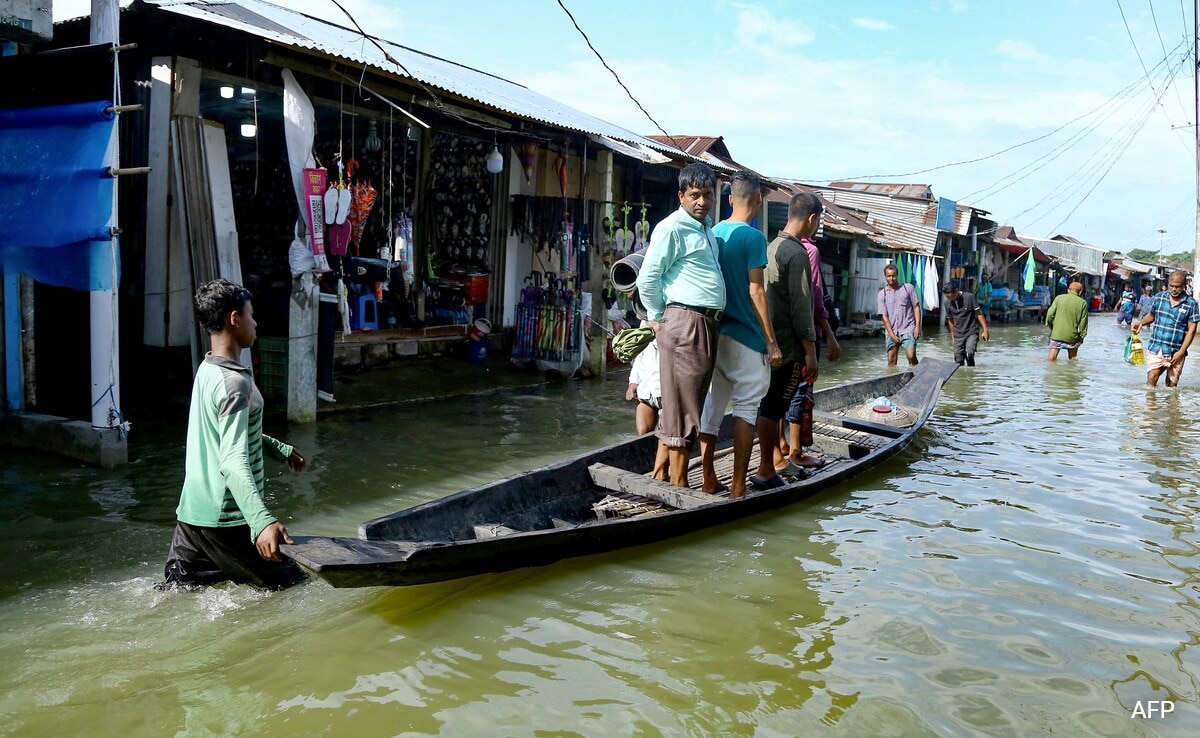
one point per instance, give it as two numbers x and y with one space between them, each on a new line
680 284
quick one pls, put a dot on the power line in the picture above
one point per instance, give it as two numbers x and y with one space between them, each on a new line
1114 157
617 77
1115 104
1116 96
1161 43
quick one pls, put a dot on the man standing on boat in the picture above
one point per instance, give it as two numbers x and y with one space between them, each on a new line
684 293
965 320
224 529
1174 315
1067 320
789 299
900 309
792 460
747 349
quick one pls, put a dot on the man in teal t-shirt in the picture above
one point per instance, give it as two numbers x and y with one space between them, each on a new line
224 529
747 349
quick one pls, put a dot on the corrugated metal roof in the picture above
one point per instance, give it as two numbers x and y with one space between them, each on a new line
290 28
1077 256
837 219
899 220
694 145
913 191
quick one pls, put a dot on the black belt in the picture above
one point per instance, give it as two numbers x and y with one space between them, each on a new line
713 313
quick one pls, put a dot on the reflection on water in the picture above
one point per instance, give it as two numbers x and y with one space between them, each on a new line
1027 567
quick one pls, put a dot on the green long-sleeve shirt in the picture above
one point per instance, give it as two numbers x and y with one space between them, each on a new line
1067 318
223 477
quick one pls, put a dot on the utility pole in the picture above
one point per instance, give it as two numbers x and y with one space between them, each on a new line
1196 128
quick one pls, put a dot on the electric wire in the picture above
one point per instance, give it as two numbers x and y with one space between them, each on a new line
1163 44
617 77
1117 103
1120 93
1116 157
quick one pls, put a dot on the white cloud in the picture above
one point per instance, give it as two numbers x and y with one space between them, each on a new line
755 26
1018 50
873 24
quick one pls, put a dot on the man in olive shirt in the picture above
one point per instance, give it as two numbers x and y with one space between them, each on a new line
224 530
1067 320
789 298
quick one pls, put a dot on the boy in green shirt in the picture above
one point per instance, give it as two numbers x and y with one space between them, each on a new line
224 530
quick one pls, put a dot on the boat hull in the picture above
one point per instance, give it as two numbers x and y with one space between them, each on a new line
543 515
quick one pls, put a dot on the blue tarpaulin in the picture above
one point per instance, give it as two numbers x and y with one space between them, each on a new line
57 195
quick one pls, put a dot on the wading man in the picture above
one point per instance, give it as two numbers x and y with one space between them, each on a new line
1067 320
1174 316
900 310
224 530
966 322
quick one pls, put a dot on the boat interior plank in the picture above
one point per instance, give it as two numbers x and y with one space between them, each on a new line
492 530
866 426
620 480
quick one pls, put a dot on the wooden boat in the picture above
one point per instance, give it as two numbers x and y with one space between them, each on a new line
605 500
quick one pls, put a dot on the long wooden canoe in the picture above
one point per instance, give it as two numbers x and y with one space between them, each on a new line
605 500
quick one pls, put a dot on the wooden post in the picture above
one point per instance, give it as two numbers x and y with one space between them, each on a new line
598 339
105 391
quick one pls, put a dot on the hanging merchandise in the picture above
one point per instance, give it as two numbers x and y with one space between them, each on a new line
641 231
337 204
565 243
403 251
461 189
527 154
314 187
624 235
560 168
362 199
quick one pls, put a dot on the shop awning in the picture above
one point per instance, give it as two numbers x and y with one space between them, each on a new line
1076 257
290 28
633 151
1136 267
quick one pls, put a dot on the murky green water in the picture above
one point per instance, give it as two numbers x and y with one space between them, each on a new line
1028 567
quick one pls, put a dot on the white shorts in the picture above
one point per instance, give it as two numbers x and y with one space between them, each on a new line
741 375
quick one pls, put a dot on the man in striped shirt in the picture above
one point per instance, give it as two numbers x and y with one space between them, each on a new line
1174 315
224 529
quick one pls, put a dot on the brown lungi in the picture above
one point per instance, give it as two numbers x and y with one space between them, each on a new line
687 348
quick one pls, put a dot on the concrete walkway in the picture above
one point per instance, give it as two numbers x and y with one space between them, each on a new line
420 379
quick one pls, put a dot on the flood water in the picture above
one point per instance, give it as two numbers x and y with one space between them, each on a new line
1027 567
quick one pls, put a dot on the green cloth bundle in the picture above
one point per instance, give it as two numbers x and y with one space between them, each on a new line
629 343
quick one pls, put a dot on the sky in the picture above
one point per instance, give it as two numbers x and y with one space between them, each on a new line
1074 120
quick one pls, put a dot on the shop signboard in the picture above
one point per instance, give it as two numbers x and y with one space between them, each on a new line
26 21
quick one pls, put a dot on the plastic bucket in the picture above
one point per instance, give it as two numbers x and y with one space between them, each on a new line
624 273
480 329
477 351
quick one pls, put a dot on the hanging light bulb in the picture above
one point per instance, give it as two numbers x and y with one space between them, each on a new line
373 143
250 124
495 160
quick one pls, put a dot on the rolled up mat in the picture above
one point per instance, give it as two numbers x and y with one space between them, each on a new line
624 273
